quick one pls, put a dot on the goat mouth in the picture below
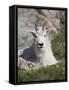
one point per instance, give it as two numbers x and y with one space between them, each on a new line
40 46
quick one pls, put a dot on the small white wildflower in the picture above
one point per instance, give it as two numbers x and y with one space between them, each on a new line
63 68
57 66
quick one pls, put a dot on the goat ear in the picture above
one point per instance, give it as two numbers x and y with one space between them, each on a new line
33 34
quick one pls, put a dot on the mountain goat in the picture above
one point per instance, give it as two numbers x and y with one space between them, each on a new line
40 51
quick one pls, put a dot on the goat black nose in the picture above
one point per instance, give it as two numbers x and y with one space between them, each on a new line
40 44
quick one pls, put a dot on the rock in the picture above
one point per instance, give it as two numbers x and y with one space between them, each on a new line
27 65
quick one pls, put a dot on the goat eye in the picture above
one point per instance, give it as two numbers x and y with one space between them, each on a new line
35 36
44 35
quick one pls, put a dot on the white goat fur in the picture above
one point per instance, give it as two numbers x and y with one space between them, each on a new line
44 54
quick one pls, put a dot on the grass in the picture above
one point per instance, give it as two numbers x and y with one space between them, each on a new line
58 45
54 72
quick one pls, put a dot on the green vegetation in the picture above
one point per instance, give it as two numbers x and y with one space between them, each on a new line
53 72
58 45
